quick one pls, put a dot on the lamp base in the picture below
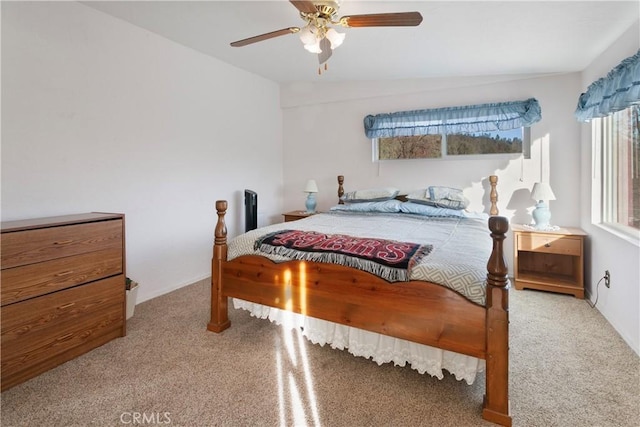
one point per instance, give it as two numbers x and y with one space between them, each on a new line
310 204
541 215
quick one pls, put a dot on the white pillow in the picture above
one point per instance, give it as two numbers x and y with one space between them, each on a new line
442 197
449 193
370 195
422 194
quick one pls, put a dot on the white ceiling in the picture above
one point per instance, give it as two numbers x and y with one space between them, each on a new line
456 38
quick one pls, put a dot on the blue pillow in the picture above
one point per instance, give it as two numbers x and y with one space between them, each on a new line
428 210
441 203
387 206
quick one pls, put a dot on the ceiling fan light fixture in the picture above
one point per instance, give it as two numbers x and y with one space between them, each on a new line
308 35
335 37
313 47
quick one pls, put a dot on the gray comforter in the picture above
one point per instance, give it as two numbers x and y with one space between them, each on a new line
458 259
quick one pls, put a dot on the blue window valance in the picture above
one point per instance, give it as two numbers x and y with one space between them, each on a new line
615 92
468 119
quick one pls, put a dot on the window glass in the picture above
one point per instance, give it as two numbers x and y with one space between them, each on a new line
485 143
618 139
433 146
410 147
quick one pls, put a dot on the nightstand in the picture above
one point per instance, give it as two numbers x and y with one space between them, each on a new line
549 260
296 215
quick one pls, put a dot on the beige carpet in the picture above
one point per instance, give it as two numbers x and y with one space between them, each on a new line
568 368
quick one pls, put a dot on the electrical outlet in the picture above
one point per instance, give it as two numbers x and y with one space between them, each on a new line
607 279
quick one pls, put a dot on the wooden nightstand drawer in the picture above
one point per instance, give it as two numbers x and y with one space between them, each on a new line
31 246
551 244
27 281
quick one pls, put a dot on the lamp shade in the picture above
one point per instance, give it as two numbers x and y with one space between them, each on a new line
311 186
313 48
307 35
542 191
335 38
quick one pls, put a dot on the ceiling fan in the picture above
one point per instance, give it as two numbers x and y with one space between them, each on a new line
318 35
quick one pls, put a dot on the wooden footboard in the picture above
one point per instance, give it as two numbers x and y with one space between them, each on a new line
421 312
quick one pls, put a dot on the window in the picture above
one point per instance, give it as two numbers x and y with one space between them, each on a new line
495 128
448 145
616 139
611 103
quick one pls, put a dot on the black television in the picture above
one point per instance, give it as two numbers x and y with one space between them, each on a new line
250 210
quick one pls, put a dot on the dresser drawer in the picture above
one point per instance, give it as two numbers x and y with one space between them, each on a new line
40 328
27 281
32 246
562 245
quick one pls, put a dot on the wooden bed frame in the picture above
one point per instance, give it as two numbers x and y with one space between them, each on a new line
417 311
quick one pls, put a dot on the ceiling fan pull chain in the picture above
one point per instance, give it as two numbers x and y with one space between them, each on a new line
326 67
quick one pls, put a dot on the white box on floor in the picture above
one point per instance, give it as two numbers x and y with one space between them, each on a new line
132 295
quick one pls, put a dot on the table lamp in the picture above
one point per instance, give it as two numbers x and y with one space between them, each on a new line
311 189
541 214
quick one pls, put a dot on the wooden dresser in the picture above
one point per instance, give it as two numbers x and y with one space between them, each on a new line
62 290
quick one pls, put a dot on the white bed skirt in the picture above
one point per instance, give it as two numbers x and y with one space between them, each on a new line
379 348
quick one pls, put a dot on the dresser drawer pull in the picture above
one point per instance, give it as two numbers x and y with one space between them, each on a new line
64 273
63 242
65 337
547 245
62 307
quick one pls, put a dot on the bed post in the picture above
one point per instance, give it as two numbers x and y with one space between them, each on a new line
219 314
496 399
340 189
493 195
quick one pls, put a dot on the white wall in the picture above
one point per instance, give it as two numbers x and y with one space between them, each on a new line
99 115
621 303
325 139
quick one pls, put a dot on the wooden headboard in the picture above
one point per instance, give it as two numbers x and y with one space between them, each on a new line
493 194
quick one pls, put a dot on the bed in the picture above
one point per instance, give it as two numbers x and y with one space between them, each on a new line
417 309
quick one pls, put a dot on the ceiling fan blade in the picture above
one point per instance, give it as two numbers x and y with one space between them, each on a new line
401 19
265 36
304 6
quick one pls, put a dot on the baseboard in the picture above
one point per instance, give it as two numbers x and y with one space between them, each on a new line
159 292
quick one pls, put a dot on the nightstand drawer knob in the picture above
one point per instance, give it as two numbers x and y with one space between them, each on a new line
547 245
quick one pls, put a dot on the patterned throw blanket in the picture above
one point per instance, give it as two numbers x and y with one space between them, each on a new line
387 259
